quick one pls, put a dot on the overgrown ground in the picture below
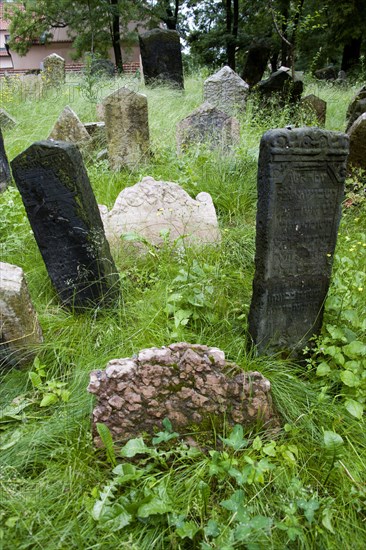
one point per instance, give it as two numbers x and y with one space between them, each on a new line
303 489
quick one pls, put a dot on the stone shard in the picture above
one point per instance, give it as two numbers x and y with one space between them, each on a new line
66 223
154 208
187 384
53 73
209 125
357 144
20 332
301 175
315 105
161 57
6 120
68 127
127 127
5 176
282 86
256 63
226 90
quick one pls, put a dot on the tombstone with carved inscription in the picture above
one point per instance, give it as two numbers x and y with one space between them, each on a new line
5 177
66 223
301 176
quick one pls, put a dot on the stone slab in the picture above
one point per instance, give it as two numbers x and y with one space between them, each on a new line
161 57
226 91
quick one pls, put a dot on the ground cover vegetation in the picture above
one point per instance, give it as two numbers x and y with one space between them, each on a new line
302 487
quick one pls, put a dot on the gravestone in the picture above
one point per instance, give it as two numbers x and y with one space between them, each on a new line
315 105
100 111
226 90
326 73
256 63
20 332
102 67
301 175
68 127
53 73
151 208
127 128
209 125
31 86
66 223
161 57
6 120
282 86
96 131
5 177
187 383
356 107
357 143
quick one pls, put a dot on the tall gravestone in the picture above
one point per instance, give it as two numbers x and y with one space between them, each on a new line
127 128
226 90
66 223
53 73
161 57
301 175
5 177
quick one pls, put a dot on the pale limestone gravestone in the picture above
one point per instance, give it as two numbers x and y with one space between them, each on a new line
209 125
68 127
5 177
152 209
53 73
301 175
20 332
161 57
6 120
66 223
226 90
357 143
127 128
187 383
315 105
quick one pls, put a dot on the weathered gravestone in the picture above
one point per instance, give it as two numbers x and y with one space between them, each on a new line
66 223
102 67
68 127
356 107
161 57
96 131
6 120
53 73
256 63
186 383
301 174
315 105
5 177
30 86
357 143
326 73
127 128
281 86
226 90
20 332
209 125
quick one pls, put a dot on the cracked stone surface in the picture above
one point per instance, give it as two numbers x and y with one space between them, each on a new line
188 383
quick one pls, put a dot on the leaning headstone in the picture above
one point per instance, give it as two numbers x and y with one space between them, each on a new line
6 120
102 67
53 73
315 106
281 86
186 383
5 177
66 223
68 127
301 176
127 127
20 332
209 125
152 209
357 143
256 63
226 90
161 57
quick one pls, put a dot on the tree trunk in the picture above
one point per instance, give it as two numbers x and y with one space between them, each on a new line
230 41
116 37
284 46
351 54
171 18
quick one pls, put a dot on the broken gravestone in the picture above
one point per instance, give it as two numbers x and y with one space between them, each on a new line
357 143
68 127
5 177
127 127
161 57
209 125
53 73
66 223
226 90
301 175
20 332
6 120
315 106
186 383
154 209
281 86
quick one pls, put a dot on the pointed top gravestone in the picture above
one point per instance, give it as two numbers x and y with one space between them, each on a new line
5 177
68 127
53 73
161 57
226 90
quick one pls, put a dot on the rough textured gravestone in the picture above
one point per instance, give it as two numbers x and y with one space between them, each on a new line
20 331
68 127
256 63
5 177
357 107
100 111
102 67
301 174
282 86
151 207
31 86
226 90
6 120
183 382
357 143
161 57
316 106
96 131
53 73
326 73
66 223
127 127
207 124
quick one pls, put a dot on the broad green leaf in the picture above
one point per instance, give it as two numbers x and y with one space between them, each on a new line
333 442
35 379
354 408
270 449
188 530
327 520
323 369
155 506
212 529
355 349
134 447
349 379
235 440
48 399
127 472
257 443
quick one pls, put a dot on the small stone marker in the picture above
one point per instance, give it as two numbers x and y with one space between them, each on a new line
256 63
282 86
301 174
6 120
127 127
315 105
161 57
357 143
53 73
68 127
151 208
207 124
5 177
226 90
66 223
183 382
20 331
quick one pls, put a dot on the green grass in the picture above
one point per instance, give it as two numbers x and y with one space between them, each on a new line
50 474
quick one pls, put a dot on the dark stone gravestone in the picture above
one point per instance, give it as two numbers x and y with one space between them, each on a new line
5 177
66 223
256 63
161 57
326 73
301 175
282 86
102 67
